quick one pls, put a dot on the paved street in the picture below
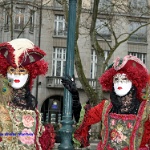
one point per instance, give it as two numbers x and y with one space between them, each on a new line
91 147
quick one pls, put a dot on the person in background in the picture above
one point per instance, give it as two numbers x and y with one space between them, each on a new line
20 122
125 116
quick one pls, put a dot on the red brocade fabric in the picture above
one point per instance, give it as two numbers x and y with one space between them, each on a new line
146 135
47 140
94 115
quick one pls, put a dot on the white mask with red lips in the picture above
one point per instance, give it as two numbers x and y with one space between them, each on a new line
18 77
122 85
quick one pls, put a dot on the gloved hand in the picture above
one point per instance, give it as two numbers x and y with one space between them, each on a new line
70 85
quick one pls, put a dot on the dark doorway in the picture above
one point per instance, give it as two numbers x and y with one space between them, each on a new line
52 113
52 110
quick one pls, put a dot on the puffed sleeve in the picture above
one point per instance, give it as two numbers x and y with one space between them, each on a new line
92 116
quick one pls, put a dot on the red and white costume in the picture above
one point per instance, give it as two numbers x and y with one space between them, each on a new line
125 119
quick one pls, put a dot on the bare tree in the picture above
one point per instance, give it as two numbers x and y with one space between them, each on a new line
115 13
8 7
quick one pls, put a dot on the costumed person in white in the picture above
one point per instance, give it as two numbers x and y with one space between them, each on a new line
21 62
125 116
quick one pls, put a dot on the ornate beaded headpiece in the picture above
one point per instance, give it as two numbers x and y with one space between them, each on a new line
130 65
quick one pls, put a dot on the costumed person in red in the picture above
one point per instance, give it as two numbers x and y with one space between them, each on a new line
21 62
125 116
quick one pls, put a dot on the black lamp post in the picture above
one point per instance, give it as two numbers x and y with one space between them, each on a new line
67 122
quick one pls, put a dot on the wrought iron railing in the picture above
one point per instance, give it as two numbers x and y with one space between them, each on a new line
55 82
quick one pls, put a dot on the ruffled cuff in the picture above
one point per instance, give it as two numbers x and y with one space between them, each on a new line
81 135
81 140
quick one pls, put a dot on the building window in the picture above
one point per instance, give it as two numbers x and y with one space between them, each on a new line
141 56
59 61
31 28
102 29
138 6
19 18
7 20
105 5
141 34
60 26
94 62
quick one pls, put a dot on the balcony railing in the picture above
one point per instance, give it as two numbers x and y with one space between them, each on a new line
60 32
55 82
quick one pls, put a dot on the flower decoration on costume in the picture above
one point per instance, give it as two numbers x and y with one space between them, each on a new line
118 63
129 125
114 134
27 137
117 137
27 120
113 122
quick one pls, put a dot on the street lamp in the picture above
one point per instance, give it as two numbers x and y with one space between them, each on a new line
67 122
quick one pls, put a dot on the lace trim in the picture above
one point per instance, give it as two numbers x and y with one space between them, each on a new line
123 117
107 108
137 124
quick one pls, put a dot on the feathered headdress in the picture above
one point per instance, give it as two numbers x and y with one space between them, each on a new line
134 69
22 53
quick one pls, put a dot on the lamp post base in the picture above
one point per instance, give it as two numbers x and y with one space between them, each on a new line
66 135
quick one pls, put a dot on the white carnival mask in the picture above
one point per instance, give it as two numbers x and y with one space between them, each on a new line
17 76
122 84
